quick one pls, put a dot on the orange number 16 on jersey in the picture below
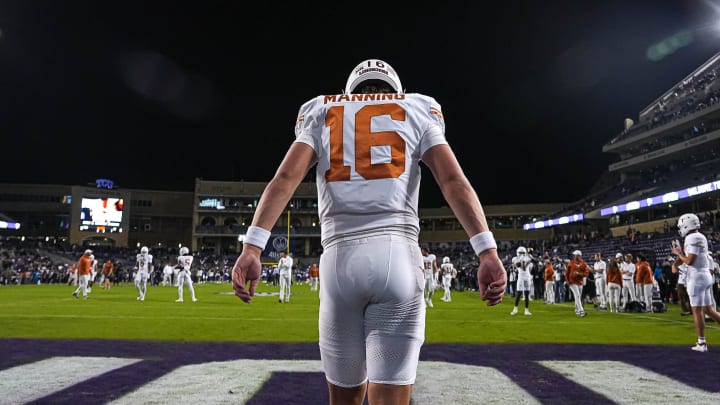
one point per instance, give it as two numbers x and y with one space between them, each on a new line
364 142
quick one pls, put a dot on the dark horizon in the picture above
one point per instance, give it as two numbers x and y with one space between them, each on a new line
153 96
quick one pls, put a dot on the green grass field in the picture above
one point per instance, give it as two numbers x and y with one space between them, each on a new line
50 311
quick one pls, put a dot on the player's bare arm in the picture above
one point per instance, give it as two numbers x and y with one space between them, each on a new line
298 160
465 204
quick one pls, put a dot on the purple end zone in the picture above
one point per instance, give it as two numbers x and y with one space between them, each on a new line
292 388
517 361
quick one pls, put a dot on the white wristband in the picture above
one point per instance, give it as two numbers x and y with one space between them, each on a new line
483 241
257 236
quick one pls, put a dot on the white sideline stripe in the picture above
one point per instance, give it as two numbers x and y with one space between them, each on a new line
439 382
212 383
238 380
571 319
623 383
29 382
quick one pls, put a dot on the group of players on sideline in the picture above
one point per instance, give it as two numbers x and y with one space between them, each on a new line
614 283
531 277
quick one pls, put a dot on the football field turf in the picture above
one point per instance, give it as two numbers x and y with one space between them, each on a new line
114 349
50 311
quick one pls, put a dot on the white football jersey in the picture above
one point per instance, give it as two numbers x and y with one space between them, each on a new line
682 273
625 266
428 268
368 148
285 265
600 265
185 261
143 262
697 243
447 270
523 271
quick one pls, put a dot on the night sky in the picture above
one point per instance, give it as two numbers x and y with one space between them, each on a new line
154 94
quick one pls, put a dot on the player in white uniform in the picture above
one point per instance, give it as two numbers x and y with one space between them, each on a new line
144 268
627 268
448 271
714 271
367 144
184 263
167 274
430 267
73 277
599 269
285 271
694 255
524 265
93 273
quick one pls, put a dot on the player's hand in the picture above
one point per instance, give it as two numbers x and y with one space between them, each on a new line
492 278
246 270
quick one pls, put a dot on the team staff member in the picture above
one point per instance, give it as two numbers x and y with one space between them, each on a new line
84 269
614 282
599 268
627 268
549 278
107 272
314 274
73 278
644 277
575 273
366 145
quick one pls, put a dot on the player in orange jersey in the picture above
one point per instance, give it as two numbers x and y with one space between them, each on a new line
84 269
575 273
107 271
314 274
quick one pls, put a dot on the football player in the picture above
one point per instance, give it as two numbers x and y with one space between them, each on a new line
694 255
144 267
430 267
184 262
366 145
448 271
285 271
524 265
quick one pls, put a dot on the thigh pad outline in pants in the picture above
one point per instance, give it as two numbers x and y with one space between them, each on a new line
372 313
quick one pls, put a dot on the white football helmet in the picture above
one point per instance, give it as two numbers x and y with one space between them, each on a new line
144 250
446 259
373 69
184 251
577 253
521 251
88 252
618 255
687 223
